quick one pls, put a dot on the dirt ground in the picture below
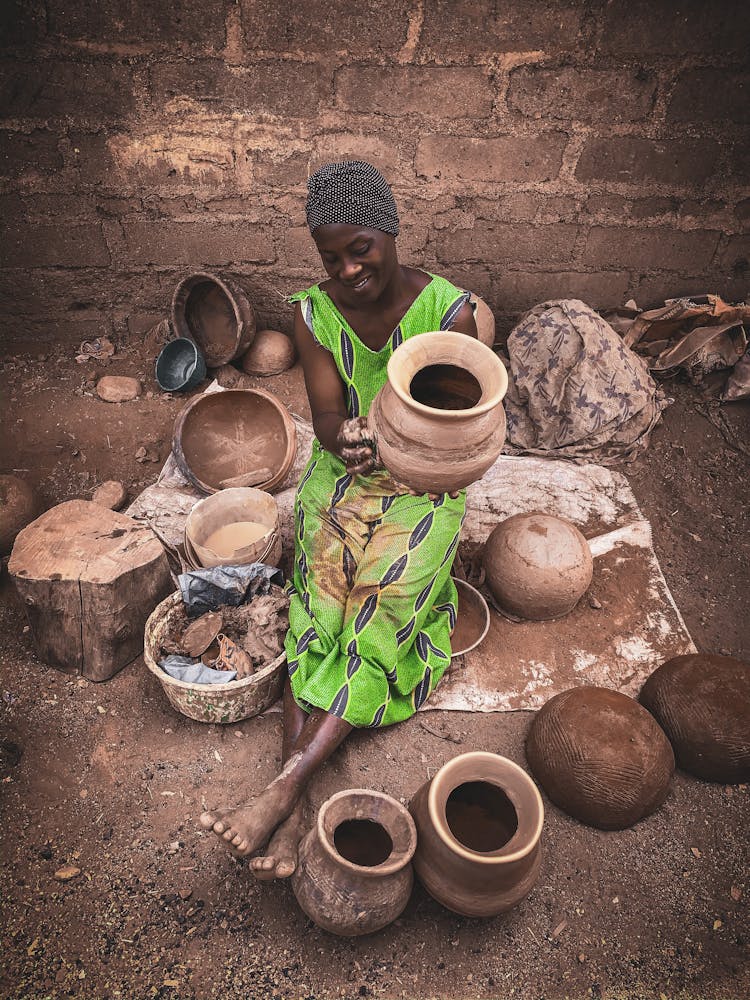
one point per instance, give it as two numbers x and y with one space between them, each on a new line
110 779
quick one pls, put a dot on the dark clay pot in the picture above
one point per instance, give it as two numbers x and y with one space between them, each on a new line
703 704
354 874
479 823
600 757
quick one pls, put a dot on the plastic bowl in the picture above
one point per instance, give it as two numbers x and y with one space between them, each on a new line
180 366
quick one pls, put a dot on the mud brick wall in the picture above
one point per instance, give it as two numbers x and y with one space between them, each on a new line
537 148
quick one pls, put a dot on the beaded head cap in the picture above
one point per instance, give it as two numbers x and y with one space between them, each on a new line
352 192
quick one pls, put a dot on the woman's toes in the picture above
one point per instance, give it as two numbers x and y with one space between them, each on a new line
207 821
228 834
285 868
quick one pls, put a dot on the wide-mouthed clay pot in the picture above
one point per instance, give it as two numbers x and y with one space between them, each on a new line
438 422
479 823
354 874
600 756
702 702
216 314
537 566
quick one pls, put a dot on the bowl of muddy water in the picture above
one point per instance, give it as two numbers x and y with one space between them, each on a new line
472 620
234 527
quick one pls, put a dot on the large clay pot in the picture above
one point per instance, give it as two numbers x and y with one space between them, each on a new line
479 823
702 702
354 874
438 421
216 314
600 756
537 566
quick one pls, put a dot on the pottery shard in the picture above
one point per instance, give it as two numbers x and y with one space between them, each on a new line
702 701
600 756
110 494
118 388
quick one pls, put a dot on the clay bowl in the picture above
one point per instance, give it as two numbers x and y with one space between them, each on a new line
270 353
537 566
600 756
19 505
220 703
225 507
216 314
472 621
702 702
220 435
180 366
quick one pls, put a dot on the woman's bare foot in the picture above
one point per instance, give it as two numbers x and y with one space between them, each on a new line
280 858
247 828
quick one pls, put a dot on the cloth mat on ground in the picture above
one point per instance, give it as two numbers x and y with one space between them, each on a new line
520 665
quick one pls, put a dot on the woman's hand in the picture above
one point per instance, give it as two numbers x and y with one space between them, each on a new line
356 446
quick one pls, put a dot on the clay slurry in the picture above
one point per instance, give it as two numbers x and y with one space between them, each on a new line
229 538
445 387
363 842
481 816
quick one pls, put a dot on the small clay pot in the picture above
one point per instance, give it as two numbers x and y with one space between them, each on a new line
354 874
216 314
479 823
19 505
270 353
600 757
438 421
485 321
702 701
537 566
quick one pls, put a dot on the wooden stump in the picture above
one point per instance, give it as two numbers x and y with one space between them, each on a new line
89 578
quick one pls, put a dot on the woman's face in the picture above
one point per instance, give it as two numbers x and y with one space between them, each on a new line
361 261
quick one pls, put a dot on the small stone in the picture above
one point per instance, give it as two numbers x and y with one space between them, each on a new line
186 893
594 603
45 853
67 872
141 454
110 494
118 388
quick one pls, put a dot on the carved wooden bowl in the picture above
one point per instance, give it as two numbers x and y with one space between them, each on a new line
600 756
702 701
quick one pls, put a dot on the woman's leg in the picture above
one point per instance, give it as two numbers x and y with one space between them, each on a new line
248 827
280 857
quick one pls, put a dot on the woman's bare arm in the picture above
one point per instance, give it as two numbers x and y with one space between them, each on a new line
464 322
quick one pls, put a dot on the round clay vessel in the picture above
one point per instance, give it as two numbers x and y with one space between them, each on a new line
19 505
222 435
216 314
485 321
702 701
270 353
354 873
537 566
439 421
600 757
479 823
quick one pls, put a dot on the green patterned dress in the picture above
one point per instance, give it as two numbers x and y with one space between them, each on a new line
372 600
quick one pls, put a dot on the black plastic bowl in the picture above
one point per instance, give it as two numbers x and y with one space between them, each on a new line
180 366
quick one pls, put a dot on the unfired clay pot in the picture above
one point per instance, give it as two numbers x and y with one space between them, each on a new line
354 874
600 757
537 566
438 421
19 506
479 823
270 353
702 702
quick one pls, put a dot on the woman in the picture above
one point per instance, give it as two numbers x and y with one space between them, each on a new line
372 600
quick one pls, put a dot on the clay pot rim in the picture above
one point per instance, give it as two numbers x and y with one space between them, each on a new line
239 554
463 583
395 861
289 426
396 367
443 778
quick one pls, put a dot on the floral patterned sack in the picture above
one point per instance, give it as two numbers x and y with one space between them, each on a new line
576 391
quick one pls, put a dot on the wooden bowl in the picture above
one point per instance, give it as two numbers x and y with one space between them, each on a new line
220 435
216 314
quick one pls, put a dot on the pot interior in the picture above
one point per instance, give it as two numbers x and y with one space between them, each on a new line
445 387
210 317
363 842
481 816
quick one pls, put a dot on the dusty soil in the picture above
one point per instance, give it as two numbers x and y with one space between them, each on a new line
110 779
